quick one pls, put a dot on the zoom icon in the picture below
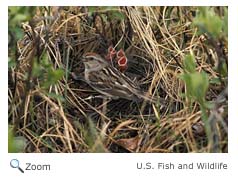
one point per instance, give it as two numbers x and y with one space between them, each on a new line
14 163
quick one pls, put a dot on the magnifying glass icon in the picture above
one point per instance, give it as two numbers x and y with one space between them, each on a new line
15 164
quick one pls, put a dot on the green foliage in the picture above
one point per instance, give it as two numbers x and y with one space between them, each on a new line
224 69
214 23
117 15
196 83
56 96
11 63
215 81
209 22
15 144
91 10
17 15
225 22
113 12
45 72
93 138
189 64
53 76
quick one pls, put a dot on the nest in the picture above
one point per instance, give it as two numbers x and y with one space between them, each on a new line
60 114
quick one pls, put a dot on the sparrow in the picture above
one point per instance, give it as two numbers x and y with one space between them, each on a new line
107 80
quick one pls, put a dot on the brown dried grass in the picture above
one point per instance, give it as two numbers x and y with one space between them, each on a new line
155 39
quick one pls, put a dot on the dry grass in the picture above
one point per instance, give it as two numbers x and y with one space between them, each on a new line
156 40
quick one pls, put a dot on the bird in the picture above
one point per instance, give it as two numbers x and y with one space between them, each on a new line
117 58
109 81
121 60
111 54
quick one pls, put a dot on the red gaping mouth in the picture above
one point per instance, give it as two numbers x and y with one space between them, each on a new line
111 53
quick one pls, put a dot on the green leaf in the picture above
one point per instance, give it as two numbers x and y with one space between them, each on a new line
117 15
208 22
197 85
37 69
11 63
20 18
56 96
225 22
209 104
91 10
224 69
45 61
52 77
189 64
216 81
57 74
15 144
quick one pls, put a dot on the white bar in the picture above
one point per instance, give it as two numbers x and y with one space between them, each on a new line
117 166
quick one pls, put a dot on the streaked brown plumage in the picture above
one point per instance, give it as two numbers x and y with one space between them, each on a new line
109 81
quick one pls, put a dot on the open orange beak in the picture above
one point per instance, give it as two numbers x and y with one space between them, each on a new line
122 63
111 53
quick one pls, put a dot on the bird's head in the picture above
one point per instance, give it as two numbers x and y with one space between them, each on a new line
93 61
